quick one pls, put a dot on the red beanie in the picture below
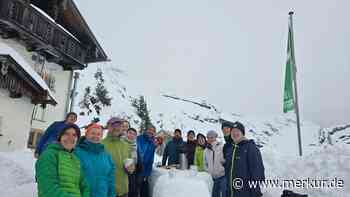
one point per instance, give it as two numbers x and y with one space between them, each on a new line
93 126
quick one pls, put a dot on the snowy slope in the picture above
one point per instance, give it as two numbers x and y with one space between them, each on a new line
169 112
121 105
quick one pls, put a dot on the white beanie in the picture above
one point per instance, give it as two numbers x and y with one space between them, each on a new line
212 133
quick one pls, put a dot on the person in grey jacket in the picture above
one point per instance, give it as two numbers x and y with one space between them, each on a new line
214 164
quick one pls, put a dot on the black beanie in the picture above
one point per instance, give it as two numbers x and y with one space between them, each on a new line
178 130
240 126
69 126
227 124
191 131
200 134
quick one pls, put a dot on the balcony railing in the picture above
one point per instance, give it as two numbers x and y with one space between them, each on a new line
41 33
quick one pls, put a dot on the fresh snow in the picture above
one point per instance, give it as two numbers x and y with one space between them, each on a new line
8 50
192 113
52 20
17 174
276 134
336 134
167 113
325 162
180 183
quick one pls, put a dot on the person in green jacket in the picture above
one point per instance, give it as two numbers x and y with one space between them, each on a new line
121 155
199 153
58 170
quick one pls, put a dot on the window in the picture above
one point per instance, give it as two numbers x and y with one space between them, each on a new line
39 63
46 74
40 113
34 137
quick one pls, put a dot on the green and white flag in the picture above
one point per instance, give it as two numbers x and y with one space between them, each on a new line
288 100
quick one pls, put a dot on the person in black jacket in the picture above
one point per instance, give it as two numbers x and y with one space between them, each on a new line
226 127
191 145
243 163
173 149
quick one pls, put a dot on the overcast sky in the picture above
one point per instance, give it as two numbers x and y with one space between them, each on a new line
231 53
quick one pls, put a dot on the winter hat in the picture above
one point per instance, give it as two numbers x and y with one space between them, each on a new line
151 126
93 126
133 130
178 130
205 140
226 123
201 135
69 126
115 122
212 133
191 132
239 126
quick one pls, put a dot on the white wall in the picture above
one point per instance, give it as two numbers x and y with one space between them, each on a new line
19 111
55 113
15 127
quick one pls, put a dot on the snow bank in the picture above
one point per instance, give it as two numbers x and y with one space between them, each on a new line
326 162
17 174
8 50
179 183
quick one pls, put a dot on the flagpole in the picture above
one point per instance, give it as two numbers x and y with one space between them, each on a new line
295 87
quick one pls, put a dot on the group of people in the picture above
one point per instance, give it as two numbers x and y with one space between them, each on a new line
237 158
92 166
120 164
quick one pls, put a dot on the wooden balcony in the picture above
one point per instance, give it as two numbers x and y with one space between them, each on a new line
19 19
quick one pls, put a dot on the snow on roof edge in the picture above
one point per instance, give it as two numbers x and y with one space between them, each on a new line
52 20
7 50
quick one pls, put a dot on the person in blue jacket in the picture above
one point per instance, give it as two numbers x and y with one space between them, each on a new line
243 163
173 149
146 147
96 163
52 132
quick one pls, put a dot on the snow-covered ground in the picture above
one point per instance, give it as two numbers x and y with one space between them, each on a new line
325 162
17 174
180 183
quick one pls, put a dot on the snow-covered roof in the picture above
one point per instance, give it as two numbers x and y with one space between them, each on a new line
52 20
7 50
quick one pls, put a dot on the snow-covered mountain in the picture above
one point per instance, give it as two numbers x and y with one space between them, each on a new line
335 135
170 111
